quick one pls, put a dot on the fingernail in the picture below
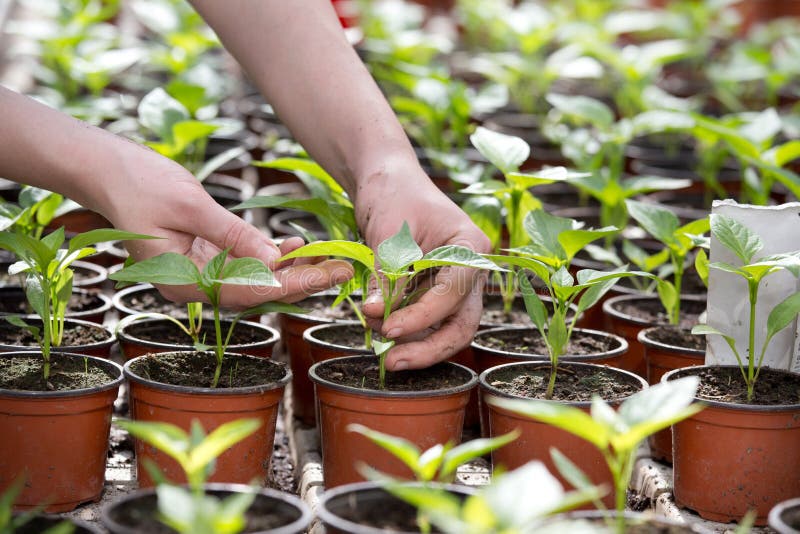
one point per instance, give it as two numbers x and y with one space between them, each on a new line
400 365
394 332
373 299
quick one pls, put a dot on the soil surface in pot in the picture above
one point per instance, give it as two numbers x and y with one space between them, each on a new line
196 369
651 311
573 384
392 515
78 302
151 301
727 385
263 515
494 314
677 337
167 332
75 335
79 274
531 342
363 374
66 374
345 335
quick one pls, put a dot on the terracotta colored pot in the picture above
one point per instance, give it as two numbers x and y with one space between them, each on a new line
358 508
628 326
537 438
137 512
426 418
321 350
133 345
246 461
79 221
785 517
100 349
57 440
661 358
14 298
292 327
730 457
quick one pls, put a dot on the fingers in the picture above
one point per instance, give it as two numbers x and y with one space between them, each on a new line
451 287
454 334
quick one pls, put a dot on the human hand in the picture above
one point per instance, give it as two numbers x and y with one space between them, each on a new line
444 319
174 206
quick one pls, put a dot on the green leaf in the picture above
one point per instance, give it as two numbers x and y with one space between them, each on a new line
598 287
701 266
544 229
24 246
37 297
583 108
187 132
213 268
169 268
165 437
218 441
382 347
783 154
344 249
573 241
736 237
158 112
454 255
782 315
400 448
230 517
92 237
486 213
659 222
177 506
307 166
54 240
533 304
535 266
571 419
396 253
569 471
506 152
272 307
247 271
487 187
472 449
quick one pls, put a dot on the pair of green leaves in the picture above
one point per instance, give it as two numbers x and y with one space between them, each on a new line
191 511
35 209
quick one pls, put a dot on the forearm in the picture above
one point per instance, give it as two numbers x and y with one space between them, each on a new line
42 147
298 56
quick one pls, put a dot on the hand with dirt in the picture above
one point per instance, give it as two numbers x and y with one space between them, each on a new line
140 191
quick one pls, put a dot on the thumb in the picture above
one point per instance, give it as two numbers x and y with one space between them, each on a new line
225 230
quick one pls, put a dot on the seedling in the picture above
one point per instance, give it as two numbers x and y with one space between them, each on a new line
440 462
171 268
48 281
400 261
491 198
554 243
616 434
191 511
678 241
35 210
745 244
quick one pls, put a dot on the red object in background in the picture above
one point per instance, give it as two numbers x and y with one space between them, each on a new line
347 11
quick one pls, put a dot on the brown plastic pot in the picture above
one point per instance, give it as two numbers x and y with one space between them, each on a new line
661 358
14 297
426 418
100 349
321 350
628 326
731 458
137 512
292 326
246 461
133 345
360 507
537 438
57 440
785 517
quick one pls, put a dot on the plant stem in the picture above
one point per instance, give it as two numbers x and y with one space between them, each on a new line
220 349
752 287
47 330
677 279
551 384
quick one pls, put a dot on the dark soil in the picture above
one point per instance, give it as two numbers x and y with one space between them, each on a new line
263 515
493 314
25 374
74 335
16 303
573 384
727 385
678 337
638 502
196 369
791 516
167 332
652 312
319 306
529 341
151 301
390 515
363 374
345 335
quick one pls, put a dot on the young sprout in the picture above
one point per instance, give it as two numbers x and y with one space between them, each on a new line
678 241
35 210
191 511
175 269
745 244
616 434
554 243
48 277
400 261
